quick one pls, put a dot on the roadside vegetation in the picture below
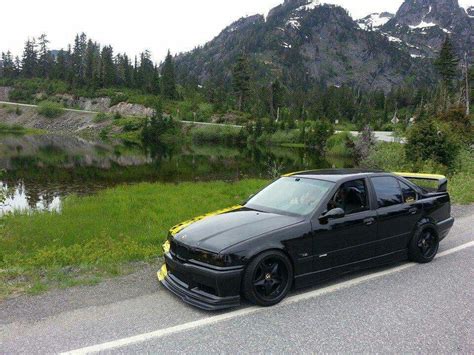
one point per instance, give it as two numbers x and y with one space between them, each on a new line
97 235
50 109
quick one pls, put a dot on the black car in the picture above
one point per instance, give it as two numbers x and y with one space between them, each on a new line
302 229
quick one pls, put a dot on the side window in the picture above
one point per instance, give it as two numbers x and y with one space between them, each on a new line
388 191
351 197
409 195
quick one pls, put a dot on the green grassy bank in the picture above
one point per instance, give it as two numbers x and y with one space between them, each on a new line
102 235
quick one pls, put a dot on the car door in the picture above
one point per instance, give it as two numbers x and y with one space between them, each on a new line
398 211
348 239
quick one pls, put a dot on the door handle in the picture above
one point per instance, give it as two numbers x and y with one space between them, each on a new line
369 221
413 210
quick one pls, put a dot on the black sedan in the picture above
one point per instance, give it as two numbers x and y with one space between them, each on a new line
302 229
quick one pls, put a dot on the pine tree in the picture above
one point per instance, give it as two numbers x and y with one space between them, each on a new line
107 73
447 63
168 79
92 64
79 59
277 98
147 71
241 80
45 59
8 70
29 63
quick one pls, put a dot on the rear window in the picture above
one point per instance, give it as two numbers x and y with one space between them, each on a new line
388 191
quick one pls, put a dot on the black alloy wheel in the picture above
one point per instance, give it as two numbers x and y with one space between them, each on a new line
268 278
424 246
428 244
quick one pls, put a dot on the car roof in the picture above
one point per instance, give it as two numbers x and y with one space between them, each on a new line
335 175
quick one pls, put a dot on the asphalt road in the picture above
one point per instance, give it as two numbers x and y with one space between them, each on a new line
401 308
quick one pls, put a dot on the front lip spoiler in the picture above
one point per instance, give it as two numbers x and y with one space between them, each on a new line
198 298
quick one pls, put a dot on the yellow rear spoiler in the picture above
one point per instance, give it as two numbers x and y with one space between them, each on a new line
441 179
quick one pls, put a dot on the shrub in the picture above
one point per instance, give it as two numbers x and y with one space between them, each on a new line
215 134
459 124
432 140
364 144
101 117
50 109
317 134
340 144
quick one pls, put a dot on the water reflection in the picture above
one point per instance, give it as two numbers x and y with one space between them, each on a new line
38 171
18 198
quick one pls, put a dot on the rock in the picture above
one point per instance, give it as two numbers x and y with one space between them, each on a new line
99 104
128 109
4 92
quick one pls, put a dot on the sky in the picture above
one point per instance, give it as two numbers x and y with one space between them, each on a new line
133 26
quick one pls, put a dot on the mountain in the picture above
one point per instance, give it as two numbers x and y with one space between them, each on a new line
306 43
375 20
303 43
420 26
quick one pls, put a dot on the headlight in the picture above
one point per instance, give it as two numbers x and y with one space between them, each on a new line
210 258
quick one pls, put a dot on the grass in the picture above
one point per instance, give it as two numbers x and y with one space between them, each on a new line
336 144
100 235
12 129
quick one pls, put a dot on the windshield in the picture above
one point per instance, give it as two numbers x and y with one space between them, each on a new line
291 195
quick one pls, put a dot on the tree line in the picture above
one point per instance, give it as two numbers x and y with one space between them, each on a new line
88 64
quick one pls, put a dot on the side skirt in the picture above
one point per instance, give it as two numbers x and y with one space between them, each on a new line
316 277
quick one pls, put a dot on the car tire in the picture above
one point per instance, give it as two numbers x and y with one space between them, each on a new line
424 245
268 278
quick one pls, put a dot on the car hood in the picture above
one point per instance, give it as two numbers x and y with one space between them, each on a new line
218 232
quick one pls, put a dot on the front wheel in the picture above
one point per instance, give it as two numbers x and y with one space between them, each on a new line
424 245
268 278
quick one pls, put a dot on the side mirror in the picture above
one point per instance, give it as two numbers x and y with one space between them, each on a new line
335 213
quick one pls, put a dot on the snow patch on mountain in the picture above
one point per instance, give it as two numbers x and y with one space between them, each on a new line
312 4
423 24
294 22
374 20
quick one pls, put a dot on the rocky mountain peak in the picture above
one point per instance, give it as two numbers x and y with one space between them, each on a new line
428 13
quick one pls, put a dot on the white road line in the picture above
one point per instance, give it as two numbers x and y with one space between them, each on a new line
246 311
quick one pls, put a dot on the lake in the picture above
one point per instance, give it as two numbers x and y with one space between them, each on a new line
38 171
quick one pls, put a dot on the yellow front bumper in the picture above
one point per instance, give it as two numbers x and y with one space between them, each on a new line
162 273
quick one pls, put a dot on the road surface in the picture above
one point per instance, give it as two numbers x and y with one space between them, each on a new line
402 308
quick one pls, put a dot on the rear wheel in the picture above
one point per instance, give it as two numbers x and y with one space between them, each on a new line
424 245
268 278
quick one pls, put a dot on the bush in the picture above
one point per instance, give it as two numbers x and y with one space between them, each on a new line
317 134
340 144
432 140
459 124
215 134
101 117
50 109
364 144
